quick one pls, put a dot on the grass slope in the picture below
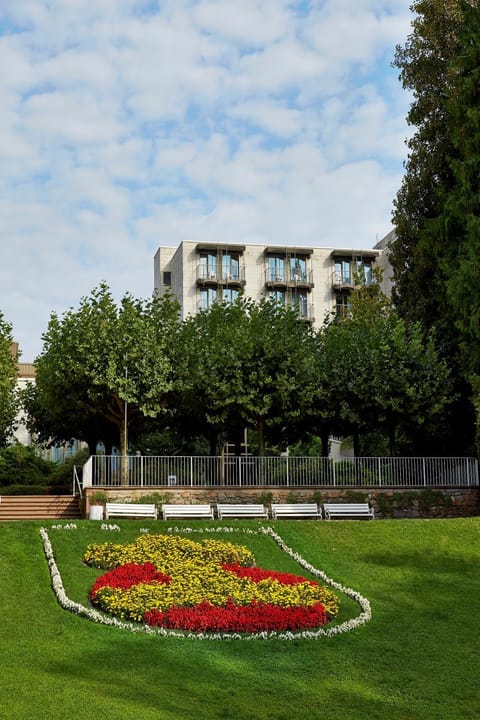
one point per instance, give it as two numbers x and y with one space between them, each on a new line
417 659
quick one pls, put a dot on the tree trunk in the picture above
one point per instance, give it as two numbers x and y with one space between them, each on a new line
324 437
356 443
261 437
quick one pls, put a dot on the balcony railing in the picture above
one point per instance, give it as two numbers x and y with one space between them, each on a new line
289 276
348 279
311 472
221 275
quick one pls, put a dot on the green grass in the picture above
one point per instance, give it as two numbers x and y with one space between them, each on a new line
417 659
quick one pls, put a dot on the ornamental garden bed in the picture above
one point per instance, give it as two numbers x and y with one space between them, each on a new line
249 584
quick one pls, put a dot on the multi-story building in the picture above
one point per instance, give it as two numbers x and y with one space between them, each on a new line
314 280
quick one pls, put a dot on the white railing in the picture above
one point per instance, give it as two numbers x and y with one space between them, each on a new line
201 471
76 482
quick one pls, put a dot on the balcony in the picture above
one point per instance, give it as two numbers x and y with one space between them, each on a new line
343 280
233 276
288 277
305 313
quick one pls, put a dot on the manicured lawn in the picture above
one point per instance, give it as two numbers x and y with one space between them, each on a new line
418 658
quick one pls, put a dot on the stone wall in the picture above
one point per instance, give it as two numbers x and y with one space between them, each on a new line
388 502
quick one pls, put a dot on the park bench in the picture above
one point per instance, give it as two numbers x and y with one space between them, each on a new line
296 510
348 510
202 512
230 510
143 510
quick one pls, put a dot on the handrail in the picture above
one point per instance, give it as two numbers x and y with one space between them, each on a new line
76 483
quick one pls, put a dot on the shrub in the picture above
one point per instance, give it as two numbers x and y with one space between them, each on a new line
23 465
62 474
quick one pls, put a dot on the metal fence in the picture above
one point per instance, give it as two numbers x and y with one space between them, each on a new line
200 471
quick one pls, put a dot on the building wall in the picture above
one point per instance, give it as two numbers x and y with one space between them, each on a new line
183 264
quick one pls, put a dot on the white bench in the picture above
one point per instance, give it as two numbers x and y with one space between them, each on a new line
348 510
229 510
296 510
143 510
204 512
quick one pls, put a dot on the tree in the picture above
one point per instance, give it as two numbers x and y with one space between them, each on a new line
425 65
105 361
8 379
242 364
436 243
277 354
378 372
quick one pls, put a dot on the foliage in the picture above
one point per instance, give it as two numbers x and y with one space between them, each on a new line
184 587
8 379
435 252
243 364
23 465
62 473
103 362
378 371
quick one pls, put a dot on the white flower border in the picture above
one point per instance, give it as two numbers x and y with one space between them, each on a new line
98 617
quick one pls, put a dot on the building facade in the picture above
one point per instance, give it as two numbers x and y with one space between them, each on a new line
316 281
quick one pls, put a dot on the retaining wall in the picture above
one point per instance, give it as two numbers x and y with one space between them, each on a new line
388 502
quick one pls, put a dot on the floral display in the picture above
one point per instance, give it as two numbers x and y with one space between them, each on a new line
212 585
317 633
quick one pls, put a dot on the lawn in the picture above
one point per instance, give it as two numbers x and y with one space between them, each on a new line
417 659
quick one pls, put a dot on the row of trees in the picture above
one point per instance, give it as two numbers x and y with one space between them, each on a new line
133 375
436 254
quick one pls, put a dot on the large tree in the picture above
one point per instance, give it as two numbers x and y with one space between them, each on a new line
243 364
435 252
8 379
103 365
378 372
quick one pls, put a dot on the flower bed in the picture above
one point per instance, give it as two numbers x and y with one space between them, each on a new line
173 582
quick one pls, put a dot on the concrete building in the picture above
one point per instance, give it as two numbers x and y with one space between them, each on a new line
316 281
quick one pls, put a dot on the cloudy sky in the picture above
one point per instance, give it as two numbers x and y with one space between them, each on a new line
129 124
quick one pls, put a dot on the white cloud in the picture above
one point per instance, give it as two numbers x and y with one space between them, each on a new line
127 124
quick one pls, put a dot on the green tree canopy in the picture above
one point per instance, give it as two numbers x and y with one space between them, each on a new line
378 372
8 380
435 253
104 362
243 364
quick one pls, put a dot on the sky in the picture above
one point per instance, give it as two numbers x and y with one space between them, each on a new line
130 124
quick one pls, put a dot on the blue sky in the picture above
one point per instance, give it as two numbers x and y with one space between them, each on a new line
129 124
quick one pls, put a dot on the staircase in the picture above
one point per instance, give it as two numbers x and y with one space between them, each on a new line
39 507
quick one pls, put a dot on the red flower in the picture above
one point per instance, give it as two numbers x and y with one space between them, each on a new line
256 574
127 575
256 617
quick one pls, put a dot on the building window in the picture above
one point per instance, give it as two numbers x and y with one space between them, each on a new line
167 278
229 295
298 269
278 296
299 301
230 267
342 304
343 273
208 266
350 272
276 269
207 297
